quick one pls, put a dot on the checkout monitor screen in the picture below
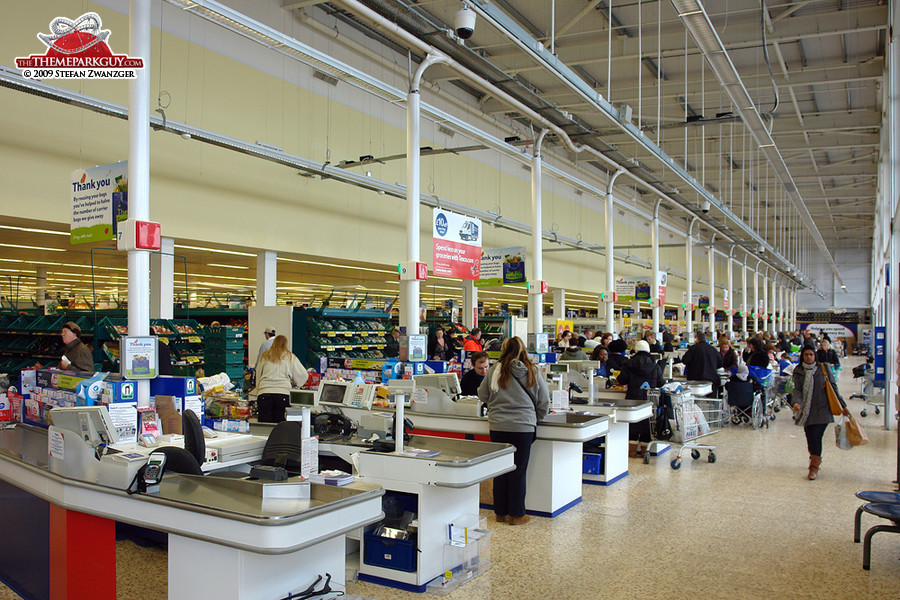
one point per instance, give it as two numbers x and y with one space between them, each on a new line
92 423
303 398
332 392
446 382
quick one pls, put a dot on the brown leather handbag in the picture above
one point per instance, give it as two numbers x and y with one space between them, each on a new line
833 402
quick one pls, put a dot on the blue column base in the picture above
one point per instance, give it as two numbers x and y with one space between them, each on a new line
409 587
541 513
610 482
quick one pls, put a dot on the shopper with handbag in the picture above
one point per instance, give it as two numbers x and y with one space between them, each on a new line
278 368
517 398
813 409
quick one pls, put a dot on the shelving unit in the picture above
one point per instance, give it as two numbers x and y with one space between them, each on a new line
226 351
30 339
340 333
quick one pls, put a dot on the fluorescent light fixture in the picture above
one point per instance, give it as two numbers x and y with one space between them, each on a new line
226 266
216 250
32 247
33 230
336 266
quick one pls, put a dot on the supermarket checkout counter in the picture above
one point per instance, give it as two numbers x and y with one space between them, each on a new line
554 469
445 488
227 538
611 403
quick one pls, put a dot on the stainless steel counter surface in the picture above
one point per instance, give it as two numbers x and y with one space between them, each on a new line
223 497
453 452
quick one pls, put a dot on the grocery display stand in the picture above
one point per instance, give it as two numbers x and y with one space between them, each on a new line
28 339
341 333
225 351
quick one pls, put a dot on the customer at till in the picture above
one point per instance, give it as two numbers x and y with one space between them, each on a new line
278 369
76 356
474 376
517 398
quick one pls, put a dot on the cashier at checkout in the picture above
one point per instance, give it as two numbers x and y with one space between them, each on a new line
76 355
472 379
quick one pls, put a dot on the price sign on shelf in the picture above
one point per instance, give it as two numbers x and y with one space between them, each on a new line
195 339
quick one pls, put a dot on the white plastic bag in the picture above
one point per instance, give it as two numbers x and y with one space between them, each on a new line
702 423
840 433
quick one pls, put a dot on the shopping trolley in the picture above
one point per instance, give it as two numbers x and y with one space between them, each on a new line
869 392
782 387
689 419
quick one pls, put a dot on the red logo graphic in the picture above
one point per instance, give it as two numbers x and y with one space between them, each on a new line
78 50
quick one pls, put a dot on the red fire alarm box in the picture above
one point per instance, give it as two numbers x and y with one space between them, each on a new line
139 235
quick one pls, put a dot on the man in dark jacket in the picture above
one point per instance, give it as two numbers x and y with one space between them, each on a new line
702 362
616 360
655 347
76 356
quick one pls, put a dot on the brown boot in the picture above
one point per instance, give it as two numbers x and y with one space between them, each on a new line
814 462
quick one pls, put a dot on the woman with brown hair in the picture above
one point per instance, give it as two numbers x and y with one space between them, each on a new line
812 410
517 398
276 371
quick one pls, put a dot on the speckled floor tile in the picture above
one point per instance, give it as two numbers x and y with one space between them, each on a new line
748 526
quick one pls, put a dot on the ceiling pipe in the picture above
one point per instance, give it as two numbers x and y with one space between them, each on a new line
696 20
384 25
514 32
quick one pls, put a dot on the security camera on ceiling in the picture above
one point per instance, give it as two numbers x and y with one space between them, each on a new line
464 22
705 207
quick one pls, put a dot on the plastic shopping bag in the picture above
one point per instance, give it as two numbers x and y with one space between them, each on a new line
840 433
702 423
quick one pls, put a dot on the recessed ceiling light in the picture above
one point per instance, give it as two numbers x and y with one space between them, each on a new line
32 247
34 230
216 250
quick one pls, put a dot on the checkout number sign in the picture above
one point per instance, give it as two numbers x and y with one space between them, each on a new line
138 357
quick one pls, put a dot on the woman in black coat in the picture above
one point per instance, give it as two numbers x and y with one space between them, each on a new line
637 370
811 408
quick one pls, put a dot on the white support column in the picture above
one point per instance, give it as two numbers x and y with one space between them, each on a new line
266 278
766 307
162 281
536 301
774 327
781 312
729 286
610 249
139 177
712 288
689 260
469 303
559 303
409 290
756 298
41 286
654 272
744 295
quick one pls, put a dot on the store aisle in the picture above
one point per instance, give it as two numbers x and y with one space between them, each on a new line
748 526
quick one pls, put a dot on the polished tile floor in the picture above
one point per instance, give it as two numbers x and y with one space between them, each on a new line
748 526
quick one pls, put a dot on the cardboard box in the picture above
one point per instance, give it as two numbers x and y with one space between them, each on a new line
169 416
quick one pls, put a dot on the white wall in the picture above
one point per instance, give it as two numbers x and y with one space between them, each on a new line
855 268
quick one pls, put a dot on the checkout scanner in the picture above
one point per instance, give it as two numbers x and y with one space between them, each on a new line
443 395
80 440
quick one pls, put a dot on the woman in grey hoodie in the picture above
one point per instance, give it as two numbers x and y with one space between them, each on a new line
517 398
